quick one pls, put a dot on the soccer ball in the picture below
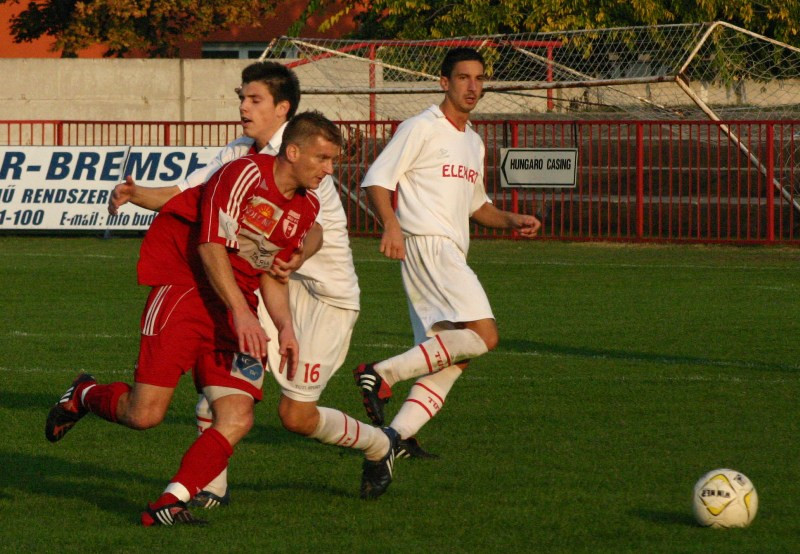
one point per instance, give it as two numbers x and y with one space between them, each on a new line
724 498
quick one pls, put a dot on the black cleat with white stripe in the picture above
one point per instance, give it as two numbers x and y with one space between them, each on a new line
410 448
67 411
376 476
375 393
209 500
170 514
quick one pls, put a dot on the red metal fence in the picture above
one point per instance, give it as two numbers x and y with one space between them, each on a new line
697 181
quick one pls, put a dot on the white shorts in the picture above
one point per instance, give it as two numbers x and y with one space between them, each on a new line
441 288
323 333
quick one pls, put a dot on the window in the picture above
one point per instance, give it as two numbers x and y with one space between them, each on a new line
234 50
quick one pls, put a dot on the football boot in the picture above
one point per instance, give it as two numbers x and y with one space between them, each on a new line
375 393
68 410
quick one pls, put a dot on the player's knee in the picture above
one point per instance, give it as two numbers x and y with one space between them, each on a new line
242 424
143 419
486 332
297 421
234 428
491 339
297 425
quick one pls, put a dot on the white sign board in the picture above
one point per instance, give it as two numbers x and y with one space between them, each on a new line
538 167
68 187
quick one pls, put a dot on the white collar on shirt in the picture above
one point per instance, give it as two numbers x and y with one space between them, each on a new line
437 111
274 144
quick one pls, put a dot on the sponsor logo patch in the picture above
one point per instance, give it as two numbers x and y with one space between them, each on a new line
262 216
247 366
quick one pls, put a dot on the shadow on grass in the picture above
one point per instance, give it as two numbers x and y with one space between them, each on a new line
273 434
101 485
300 485
665 518
28 400
533 347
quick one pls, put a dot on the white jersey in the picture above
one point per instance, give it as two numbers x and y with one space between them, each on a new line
231 151
329 275
440 173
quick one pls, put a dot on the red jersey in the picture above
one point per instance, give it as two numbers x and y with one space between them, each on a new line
241 208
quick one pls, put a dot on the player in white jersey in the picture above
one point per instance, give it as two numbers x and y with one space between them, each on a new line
324 292
435 161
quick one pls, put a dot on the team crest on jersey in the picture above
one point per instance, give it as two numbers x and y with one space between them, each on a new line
290 223
262 215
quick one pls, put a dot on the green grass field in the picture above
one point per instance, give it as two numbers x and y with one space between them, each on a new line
624 373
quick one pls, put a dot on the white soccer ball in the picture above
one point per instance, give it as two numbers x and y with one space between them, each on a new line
724 498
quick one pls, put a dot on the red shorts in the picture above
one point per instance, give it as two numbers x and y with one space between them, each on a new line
181 330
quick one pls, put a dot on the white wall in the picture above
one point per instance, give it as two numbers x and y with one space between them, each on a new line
121 89
202 90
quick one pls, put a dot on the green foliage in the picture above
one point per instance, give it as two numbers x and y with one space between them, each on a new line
420 19
154 27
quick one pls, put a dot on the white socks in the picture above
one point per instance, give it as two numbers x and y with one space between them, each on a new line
442 350
179 491
219 485
424 401
340 429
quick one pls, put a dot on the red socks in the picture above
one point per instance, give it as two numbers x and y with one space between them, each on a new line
204 460
102 400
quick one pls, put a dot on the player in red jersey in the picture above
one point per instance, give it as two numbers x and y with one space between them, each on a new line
204 256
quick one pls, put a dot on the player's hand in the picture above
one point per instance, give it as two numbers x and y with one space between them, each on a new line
289 350
527 225
393 243
121 194
280 269
252 338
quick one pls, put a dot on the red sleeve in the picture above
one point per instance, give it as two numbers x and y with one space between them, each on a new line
224 197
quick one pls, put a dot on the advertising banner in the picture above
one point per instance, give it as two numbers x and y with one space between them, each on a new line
68 187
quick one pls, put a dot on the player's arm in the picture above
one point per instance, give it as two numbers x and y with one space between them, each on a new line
276 300
490 216
154 198
392 243
151 198
396 158
311 244
252 338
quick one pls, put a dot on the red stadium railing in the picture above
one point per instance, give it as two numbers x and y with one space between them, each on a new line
697 181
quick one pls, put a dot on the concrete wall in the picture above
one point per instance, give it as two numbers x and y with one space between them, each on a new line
142 90
119 89
202 90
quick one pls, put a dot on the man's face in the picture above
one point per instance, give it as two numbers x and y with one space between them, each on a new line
259 114
464 87
313 161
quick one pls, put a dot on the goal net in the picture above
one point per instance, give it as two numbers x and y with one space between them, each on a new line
665 72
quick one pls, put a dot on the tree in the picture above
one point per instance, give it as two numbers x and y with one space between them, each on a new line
418 19
153 27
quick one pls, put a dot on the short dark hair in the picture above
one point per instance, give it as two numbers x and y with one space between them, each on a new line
305 126
460 54
279 79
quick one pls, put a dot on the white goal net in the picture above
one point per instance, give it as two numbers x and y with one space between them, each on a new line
682 72
658 72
